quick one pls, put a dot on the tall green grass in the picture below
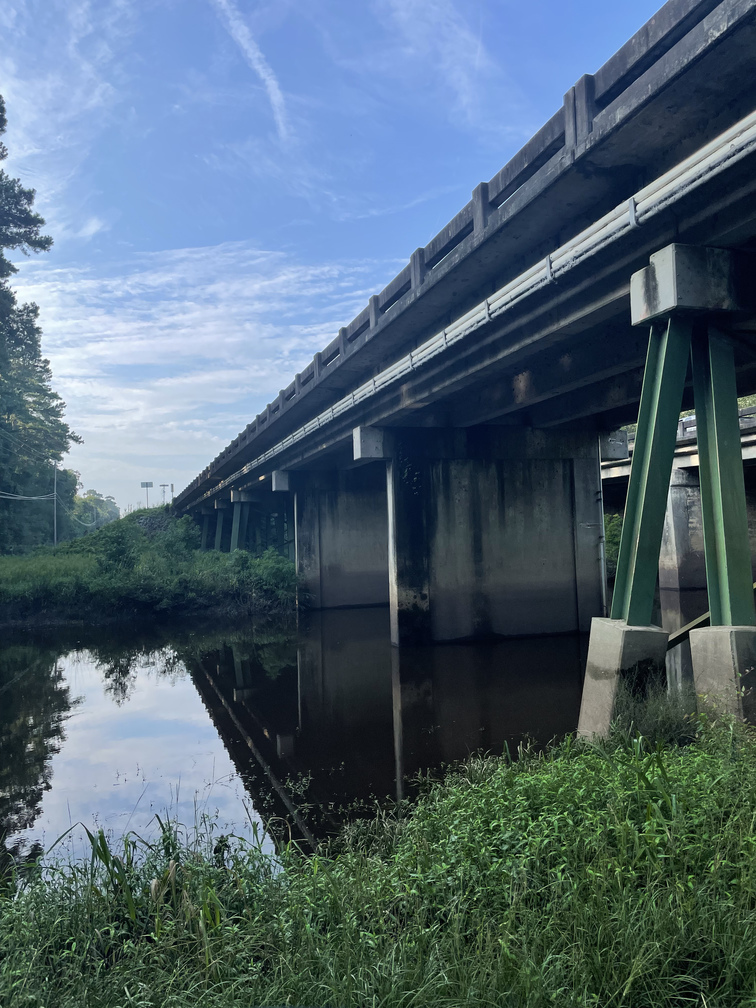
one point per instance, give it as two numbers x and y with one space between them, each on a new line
146 563
613 875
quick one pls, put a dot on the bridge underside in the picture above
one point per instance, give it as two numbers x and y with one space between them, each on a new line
442 452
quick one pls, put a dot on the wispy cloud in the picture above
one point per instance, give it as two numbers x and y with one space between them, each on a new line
163 358
60 94
434 52
242 36
435 33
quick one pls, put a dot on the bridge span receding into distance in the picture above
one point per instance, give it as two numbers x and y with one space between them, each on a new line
441 453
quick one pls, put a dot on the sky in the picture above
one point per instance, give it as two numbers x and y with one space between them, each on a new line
228 181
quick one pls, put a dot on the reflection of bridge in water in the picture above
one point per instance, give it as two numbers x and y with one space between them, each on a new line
354 718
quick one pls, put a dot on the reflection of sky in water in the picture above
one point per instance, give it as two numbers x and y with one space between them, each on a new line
120 764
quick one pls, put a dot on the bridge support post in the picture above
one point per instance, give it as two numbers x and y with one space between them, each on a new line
220 509
493 531
341 537
724 651
676 295
205 529
235 524
682 572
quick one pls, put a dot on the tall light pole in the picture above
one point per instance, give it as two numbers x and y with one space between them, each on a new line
146 488
55 503
163 487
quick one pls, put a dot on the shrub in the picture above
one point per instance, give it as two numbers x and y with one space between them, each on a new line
144 563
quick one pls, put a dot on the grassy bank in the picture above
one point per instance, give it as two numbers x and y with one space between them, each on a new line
146 564
614 876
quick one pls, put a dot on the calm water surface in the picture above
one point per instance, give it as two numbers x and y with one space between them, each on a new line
281 729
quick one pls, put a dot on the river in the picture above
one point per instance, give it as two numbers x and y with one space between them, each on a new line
267 730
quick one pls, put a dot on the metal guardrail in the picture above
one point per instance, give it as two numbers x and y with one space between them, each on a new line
686 428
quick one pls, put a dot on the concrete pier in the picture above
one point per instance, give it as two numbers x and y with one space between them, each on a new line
682 568
220 510
341 531
493 530
206 526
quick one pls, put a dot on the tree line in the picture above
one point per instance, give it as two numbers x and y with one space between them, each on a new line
34 436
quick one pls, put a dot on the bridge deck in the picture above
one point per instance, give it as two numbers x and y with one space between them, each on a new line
553 344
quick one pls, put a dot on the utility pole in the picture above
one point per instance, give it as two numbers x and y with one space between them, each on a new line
55 504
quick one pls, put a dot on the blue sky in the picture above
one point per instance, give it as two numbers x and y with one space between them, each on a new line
227 182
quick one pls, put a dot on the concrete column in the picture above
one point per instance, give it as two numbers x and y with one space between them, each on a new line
205 530
220 509
493 530
235 524
682 570
342 537
244 525
218 530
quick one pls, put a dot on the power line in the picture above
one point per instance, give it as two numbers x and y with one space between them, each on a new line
17 442
73 516
11 496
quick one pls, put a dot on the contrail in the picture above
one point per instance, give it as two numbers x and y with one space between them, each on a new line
241 34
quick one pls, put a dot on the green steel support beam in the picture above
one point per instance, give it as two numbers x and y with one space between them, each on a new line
235 525
219 529
651 469
723 503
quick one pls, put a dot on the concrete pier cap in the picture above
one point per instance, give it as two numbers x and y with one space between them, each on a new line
280 481
369 444
724 659
616 651
691 280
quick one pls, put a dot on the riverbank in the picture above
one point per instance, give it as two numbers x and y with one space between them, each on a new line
584 876
146 565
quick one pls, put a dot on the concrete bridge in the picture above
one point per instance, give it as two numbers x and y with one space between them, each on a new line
441 453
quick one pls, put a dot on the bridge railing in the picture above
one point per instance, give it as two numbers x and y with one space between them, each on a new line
687 431
595 101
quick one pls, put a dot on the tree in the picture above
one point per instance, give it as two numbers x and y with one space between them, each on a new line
33 434
92 511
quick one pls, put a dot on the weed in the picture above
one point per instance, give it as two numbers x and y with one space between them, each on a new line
614 875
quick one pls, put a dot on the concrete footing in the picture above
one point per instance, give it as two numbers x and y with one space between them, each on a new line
724 658
615 649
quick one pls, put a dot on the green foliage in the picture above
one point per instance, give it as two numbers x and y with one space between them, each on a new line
584 876
146 563
91 511
612 533
33 433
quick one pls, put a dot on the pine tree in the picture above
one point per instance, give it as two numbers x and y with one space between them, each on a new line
33 434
